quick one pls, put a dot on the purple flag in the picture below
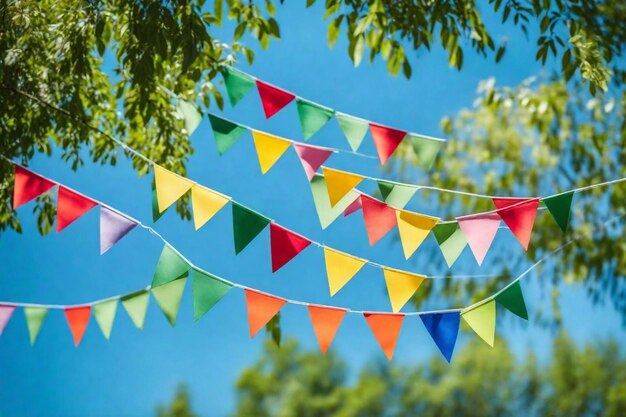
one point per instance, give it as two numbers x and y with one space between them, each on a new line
113 227
5 315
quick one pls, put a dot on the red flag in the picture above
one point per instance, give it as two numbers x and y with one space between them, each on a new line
70 206
312 157
520 218
77 319
28 185
261 308
379 218
272 98
386 328
285 245
386 140
326 322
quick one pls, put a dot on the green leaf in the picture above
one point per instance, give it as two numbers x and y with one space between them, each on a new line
358 50
218 7
333 30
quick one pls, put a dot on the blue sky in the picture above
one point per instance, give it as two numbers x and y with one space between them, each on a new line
135 370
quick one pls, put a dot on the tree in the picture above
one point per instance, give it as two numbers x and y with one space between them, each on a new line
180 406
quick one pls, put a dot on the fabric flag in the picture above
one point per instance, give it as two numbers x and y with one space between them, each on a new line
426 149
451 241
34 320
519 215
247 224
171 266
168 298
273 98
386 328
190 114
413 228
379 218
28 185
285 245
261 308
104 313
513 300
78 319
269 149
340 268
482 320
207 291
326 322
311 157
169 187
479 231
205 204
386 140
353 128
113 227
443 328
312 117
225 133
339 183
70 206
325 212
237 84
560 207
401 286
156 214
396 195
5 315
136 305
353 207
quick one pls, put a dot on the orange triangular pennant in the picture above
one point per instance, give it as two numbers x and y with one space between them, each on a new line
386 328
326 322
261 308
77 319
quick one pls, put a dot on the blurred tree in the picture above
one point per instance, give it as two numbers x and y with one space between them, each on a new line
180 406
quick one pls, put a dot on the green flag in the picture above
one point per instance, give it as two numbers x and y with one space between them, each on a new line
560 207
105 315
225 133
156 214
312 117
207 291
451 241
354 129
396 195
168 298
136 305
247 224
237 84
189 114
34 319
513 300
325 212
171 266
426 149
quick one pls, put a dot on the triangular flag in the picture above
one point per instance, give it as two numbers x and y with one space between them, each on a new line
168 298
225 133
190 114
247 224
401 286
353 207
170 267
156 214
312 117
451 241
70 206
560 207
311 157
519 215
339 183
261 308
207 291
426 149
379 218
113 227
413 228
354 129
169 187
443 328
272 98
340 268
5 315
104 313
28 185
386 140
237 84
34 320
285 245
482 320
326 322
479 231
396 195
78 319
513 300
325 212
205 204
136 305
269 149
386 328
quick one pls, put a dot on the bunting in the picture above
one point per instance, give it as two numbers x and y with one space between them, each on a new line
339 183
479 231
386 329
136 305
425 149
312 117
340 268
560 207
113 227
269 149
237 84
225 133
353 207
78 319
71 206
261 309
168 298
354 129
443 328
326 322
190 115
312 157
205 204
35 317
169 187
325 212
401 286
379 218
394 194
207 291
482 320
285 245
273 99
171 266
386 140
451 241
512 299
28 186
5 315
519 215
156 213
247 224
413 228
104 313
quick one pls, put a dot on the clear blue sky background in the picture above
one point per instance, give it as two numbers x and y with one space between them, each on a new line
135 370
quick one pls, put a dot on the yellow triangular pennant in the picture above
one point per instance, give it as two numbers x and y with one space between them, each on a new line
401 286
269 149
482 320
414 228
339 183
340 268
169 187
205 203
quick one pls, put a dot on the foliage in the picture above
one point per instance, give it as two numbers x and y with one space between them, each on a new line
180 406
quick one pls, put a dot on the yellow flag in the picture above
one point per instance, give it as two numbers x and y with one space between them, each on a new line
401 286
482 320
339 183
414 228
169 187
269 149
340 268
205 203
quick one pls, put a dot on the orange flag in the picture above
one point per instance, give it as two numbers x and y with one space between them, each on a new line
261 308
326 322
386 328
77 319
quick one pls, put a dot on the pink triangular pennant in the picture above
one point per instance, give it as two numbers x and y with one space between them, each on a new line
379 218
479 231
311 157
354 206
519 215
285 245
386 140
70 206
5 315
272 98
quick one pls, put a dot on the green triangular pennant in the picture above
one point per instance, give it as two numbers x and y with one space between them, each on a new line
513 300
426 149
354 129
207 291
34 319
237 84
168 298
396 195
312 117
247 224
451 241
171 266
105 315
189 114
156 214
325 212
225 133
560 207
136 305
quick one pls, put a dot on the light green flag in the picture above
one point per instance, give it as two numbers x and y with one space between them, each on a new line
225 133
237 84
451 241
426 149
171 266
312 117
168 298
34 320
105 315
189 114
482 320
354 129
136 305
207 291
396 195
325 212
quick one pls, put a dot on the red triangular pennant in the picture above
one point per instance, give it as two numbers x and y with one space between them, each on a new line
326 322
386 140
285 244
386 328
272 98
520 218
77 319
261 308
28 185
70 206
379 218
353 207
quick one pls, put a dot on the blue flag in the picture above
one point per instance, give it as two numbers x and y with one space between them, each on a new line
443 328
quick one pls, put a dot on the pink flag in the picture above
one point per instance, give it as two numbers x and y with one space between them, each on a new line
354 206
520 217
311 157
479 231
5 315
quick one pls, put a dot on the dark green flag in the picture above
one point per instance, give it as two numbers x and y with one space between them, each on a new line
237 84
312 117
170 267
560 207
225 133
207 291
513 300
247 224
